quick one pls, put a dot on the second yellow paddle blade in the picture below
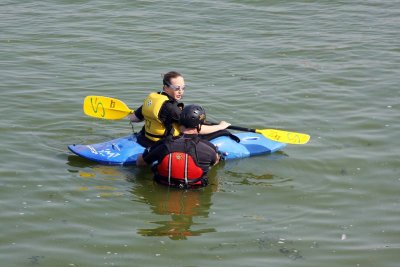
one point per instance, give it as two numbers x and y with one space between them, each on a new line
105 107
284 136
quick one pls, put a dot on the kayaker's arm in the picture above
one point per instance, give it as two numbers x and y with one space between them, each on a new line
137 116
132 117
207 129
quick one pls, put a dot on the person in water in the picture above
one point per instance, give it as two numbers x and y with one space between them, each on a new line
161 111
183 161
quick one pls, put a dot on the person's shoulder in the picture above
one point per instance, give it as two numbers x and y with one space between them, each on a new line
207 144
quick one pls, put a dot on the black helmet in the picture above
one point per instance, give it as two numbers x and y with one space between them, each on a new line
192 116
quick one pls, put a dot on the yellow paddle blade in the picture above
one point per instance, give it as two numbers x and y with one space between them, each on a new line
284 136
105 107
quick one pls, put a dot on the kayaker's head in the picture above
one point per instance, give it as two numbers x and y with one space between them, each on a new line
174 85
192 117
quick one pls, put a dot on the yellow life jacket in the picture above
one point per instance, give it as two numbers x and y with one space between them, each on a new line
154 128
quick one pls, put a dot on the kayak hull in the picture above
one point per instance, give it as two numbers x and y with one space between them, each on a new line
125 150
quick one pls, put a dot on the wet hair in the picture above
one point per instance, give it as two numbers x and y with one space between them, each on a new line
170 75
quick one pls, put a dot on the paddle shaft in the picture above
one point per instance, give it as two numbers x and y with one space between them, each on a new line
244 129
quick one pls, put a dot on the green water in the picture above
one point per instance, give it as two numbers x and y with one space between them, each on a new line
327 68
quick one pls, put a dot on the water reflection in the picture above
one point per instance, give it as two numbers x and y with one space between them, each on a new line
183 207
79 162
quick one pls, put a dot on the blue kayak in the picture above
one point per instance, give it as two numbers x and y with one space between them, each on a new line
125 150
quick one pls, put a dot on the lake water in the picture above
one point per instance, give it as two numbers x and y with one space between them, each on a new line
326 68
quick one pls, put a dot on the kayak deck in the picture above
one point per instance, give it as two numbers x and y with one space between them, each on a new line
125 150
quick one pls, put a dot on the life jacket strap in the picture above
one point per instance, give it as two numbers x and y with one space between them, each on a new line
155 135
186 169
169 167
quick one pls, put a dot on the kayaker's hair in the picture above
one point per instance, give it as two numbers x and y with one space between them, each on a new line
170 75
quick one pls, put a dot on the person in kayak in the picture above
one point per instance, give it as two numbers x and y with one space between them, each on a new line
183 161
161 112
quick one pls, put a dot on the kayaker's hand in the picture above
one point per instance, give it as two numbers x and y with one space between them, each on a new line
221 156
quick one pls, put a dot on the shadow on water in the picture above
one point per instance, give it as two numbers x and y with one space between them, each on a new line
76 161
99 180
248 178
183 206
231 168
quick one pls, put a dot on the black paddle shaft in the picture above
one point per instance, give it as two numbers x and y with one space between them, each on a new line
244 129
